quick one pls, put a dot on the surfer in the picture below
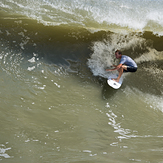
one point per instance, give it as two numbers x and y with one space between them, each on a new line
126 64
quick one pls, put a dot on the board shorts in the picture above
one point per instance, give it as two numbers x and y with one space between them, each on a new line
130 69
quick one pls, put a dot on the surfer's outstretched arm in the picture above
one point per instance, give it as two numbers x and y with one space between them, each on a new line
111 69
117 67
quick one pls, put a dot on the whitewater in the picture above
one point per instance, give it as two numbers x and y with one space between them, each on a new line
140 15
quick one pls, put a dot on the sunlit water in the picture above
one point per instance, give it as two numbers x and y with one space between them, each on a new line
55 104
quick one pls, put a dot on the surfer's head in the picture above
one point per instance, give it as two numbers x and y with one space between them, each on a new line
118 54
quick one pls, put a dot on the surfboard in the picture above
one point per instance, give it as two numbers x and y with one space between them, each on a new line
114 84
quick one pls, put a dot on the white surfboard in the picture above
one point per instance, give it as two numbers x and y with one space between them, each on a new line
113 83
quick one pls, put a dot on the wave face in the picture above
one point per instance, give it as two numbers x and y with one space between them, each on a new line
55 103
78 35
138 15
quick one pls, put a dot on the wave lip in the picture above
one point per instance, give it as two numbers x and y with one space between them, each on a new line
105 15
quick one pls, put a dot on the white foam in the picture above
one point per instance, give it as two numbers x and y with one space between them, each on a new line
104 52
136 15
151 55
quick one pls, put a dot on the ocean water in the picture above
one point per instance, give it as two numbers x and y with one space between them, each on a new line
55 103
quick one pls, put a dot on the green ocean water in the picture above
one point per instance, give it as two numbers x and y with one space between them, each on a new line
55 103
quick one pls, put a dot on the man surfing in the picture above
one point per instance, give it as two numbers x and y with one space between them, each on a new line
126 64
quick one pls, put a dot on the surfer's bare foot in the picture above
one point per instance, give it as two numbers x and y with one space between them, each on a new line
116 80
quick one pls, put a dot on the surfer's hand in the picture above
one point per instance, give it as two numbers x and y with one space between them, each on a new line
119 66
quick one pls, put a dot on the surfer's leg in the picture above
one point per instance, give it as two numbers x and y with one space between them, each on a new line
120 74
124 67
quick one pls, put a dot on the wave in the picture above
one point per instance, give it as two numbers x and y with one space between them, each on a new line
26 44
137 15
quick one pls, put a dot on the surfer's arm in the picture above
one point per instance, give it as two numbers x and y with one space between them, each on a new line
110 69
119 66
116 67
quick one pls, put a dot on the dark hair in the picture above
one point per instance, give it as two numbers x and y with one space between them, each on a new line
118 51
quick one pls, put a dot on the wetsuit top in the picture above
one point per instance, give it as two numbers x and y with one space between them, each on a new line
126 60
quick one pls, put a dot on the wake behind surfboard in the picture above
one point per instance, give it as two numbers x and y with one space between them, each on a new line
113 83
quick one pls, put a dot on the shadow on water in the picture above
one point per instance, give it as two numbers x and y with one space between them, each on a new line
107 91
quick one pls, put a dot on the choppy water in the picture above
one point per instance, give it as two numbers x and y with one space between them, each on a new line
55 104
